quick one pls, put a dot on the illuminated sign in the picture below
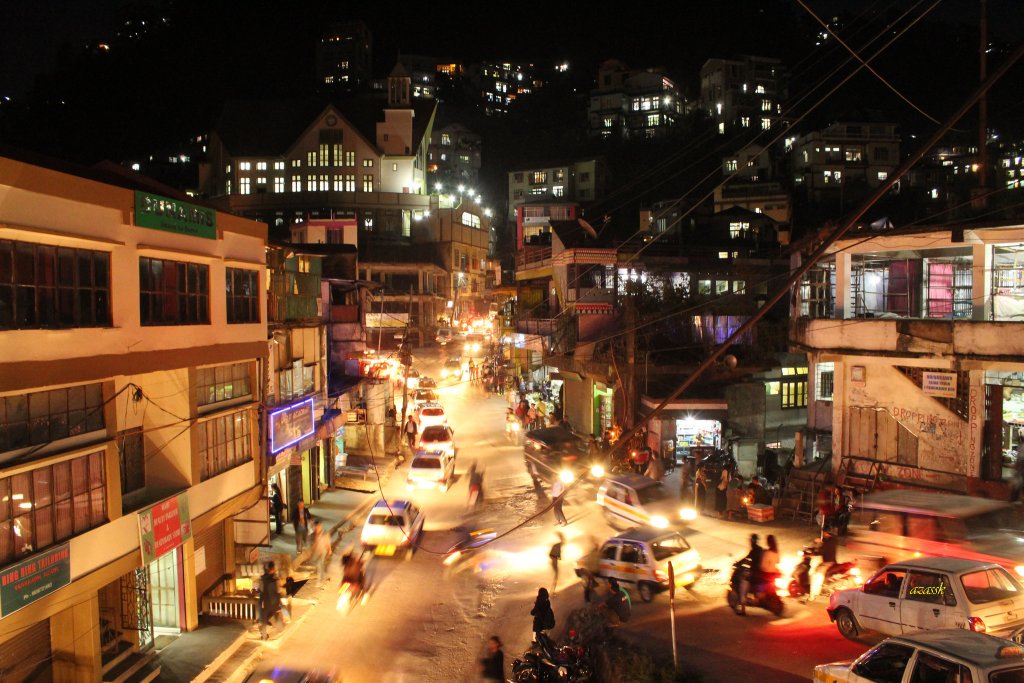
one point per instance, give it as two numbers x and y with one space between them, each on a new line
291 425
171 215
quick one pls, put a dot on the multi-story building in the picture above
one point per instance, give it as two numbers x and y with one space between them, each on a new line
134 346
916 360
500 84
844 161
749 186
578 182
631 103
745 92
422 72
454 158
344 56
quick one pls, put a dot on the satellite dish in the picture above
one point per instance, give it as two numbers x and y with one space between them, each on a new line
587 226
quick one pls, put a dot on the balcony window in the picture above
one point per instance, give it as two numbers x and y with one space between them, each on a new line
818 291
793 392
224 443
538 178
912 287
50 504
1008 282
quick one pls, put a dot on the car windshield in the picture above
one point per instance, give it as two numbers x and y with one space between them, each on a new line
384 519
989 585
427 463
653 494
667 547
435 434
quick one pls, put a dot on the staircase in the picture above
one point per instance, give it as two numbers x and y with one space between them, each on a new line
859 474
799 495
123 665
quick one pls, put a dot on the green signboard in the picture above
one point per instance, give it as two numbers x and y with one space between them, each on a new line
23 583
161 213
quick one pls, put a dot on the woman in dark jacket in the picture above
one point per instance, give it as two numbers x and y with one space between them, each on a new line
543 616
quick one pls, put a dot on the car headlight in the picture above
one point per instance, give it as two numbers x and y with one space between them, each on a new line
566 476
1020 569
687 514
444 373
659 522
597 471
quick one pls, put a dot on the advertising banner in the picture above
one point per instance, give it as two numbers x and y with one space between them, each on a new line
161 213
290 425
164 527
23 583
940 384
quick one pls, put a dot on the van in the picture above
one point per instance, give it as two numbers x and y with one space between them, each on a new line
898 525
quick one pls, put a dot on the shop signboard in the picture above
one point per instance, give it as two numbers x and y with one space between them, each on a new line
23 583
171 215
163 527
939 384
290 425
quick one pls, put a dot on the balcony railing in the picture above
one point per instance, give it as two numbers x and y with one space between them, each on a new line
532 256
592 295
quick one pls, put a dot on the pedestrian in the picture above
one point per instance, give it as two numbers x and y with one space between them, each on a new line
270 599
556 556
277 505
411 429
684 479
321 552
701 488
543 616
531 416
722 492
476 485
492 666
617 602
557 494
655 469
301 518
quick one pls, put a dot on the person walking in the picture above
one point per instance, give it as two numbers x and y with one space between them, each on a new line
543 615
492 665
411 429
557 495
531 416
270 599
476 485
301 518
277 506
321 553
722 492
556 556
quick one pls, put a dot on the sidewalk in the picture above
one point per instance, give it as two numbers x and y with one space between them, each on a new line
223 649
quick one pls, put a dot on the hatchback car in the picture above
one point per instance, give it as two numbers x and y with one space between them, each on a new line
444 335
392 526
427 383
640 557
438 439
947 655
429 414
631 499
931 593
548 451
423 396
431 470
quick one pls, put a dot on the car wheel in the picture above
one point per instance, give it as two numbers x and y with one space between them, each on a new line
645 591
847 623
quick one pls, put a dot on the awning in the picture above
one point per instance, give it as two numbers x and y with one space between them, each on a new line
567 375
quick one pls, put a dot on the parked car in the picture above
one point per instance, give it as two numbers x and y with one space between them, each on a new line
954 655
633 499
548 451
640 557
431 470
438 438
899 525
931 593
391 527
429 414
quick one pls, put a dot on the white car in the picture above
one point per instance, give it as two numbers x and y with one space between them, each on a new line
453 370
931 593
430 414
423 396
946 655
392 526
431 470
438 439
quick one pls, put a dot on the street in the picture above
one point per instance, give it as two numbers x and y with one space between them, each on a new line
423 621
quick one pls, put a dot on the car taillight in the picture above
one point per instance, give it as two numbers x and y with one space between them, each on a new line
976 624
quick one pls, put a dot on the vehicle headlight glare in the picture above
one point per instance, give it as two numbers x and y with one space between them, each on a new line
1020 569
659 522
597 471
687 514
566 476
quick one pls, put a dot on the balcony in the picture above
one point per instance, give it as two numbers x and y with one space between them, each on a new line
532 256
912 336
290 308
591 295
541 326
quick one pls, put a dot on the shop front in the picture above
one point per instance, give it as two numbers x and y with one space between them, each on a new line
157 589
604 408
691 432
1006 391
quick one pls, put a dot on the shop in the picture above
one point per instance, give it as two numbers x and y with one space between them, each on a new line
294 452
1007 388
691 432
156 591
604 408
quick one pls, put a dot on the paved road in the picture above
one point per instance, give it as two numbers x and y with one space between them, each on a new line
425 623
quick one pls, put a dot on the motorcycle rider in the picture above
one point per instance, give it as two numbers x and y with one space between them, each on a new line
354 571
753 562
827 550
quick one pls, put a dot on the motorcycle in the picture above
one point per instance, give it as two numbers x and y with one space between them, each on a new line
759 594
513 431
839 576
462 553
545 662
351 592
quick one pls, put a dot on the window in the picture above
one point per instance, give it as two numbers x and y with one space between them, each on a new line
224 443
350 158
337 184
394 167
244 166
45 287
367 163
721 286
558 191
311 183
739 286
44 416
296 163
446 139
324 183
538 178
654 119
324 154
887 584
883 176
630 553
173 292
885 664
243 186
278 165
704 286
311 159
766 123
261 166
227 186
367 183
243 295
279 184
854 154
738 229
610 552
794 392
928 587
51 504
262 180
222 383
989 585
745 121
824 381
337 153
296 183
731 165
766 105
930 668
350 182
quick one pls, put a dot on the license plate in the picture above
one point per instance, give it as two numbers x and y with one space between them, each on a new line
387 550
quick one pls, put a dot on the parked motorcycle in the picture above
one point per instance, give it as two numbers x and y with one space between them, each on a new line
545 662
759 594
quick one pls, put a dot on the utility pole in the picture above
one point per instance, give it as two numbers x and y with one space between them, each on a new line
981 199
834 236
630 381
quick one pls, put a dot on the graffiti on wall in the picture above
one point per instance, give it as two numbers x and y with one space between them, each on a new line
940 439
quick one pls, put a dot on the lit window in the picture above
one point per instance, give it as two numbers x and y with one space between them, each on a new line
731 165
310 159
766 105
279 184
323 185
446 139
723 254
794 392
296 163
824 380
609 122
759 90
350 182
227 169
772 388
854 154
394 167
338 184
337 153
278 165
654 119
296 183
245 166
739 286
227 186
367 163
538 177
704 286
883 175
243 186
558 190
350 158
262 180
261 166
766 123
721 286
324 154
311 183
721 128
745 121
367 183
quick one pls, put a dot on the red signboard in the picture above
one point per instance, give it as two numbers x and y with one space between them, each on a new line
164 527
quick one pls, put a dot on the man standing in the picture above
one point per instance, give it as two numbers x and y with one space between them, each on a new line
556 557
301 518
411 430
321 553
270 599
277 505
557 494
